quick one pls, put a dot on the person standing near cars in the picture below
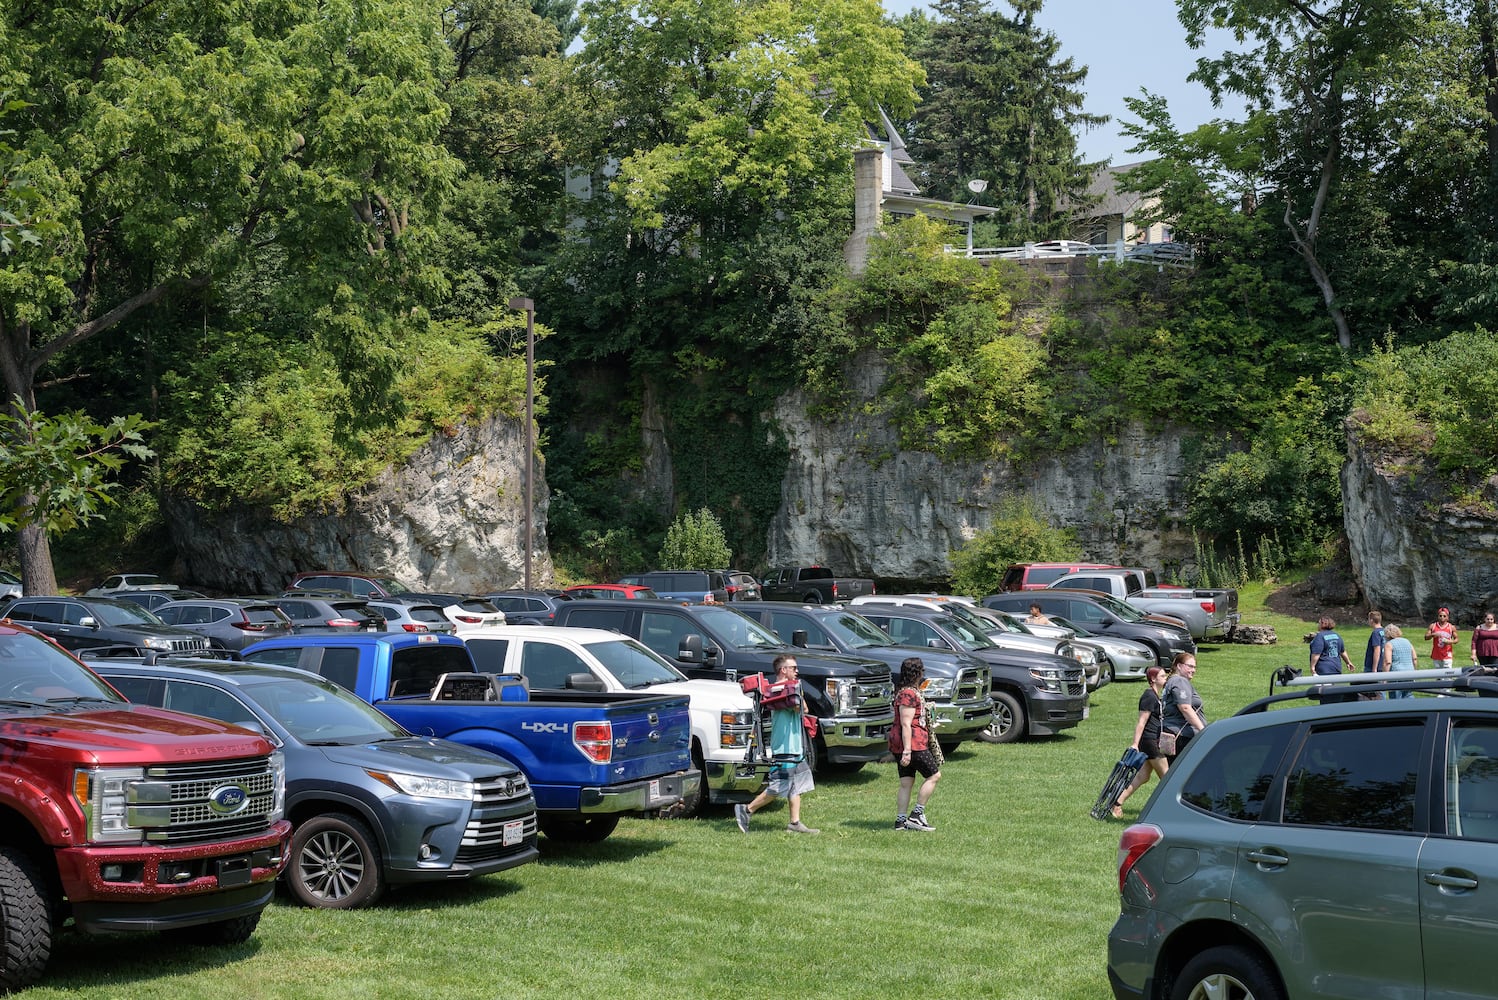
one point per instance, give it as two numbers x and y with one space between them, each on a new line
1442 636
1485 642
1183 706
1147 735
1328 654
1399 654
790 776
910 741
1373 656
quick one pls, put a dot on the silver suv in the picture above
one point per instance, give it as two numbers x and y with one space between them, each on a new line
1328 850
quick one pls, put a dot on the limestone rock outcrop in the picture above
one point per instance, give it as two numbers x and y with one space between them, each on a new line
449 519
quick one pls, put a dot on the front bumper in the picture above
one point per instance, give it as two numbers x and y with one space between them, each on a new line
958 722
1050 713
221 881
437 840
733 779
640 796
856 740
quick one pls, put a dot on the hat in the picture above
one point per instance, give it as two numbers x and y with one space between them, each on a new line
1443 611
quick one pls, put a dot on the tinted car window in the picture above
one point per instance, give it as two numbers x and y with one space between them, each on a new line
1472 782
489 654
1361 776
1234 779
415 670
340 665
592 616
785 625
663 632
209 702
547 666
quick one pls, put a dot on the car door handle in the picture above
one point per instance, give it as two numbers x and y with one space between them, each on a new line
1450 880
1271 859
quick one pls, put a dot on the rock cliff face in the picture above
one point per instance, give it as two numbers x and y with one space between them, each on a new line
450 519
852 501
1413 549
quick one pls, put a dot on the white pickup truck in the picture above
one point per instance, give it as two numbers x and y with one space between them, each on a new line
1207 613
554 658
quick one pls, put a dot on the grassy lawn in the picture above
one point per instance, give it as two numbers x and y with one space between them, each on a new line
1011 897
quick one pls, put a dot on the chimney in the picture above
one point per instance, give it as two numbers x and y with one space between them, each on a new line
868 205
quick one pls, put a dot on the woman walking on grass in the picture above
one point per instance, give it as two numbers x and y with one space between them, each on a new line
911 741
1147 735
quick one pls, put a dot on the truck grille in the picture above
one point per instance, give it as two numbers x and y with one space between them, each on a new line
972 685
875 696
498 791
190 788
198 645
483 839
1075 681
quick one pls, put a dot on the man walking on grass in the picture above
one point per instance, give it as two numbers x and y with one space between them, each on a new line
790 776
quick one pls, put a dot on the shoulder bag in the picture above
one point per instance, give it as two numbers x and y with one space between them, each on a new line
1167 740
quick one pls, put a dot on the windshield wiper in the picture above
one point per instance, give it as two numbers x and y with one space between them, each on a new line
79 698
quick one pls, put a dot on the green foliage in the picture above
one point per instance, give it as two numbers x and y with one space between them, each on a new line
696 541
1017 534
56 472
1435 400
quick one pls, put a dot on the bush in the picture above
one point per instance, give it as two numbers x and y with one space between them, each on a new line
695 541
1016 535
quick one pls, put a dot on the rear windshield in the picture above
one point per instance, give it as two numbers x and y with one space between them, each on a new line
414 670
264 614
1046 574
675 581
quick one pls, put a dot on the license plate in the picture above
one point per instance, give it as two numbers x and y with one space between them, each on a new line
1086 711
655 789
514 832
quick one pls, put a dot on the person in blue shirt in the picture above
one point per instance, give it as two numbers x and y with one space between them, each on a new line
1328 654
1373 656
790 776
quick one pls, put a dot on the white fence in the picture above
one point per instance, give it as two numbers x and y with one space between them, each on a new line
1160 255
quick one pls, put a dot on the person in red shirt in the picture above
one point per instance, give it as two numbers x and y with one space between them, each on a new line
913 744
1442 636
1485 642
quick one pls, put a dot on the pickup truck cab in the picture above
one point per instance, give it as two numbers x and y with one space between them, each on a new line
589 757
1207 613
553 658
125 818
956 684
1034 693
851 698
370 805
812 585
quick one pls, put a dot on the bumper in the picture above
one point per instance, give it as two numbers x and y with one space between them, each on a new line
955 723
1051 713
1131 666
855 740
439 840
221 881
640 796
1223 628
732 781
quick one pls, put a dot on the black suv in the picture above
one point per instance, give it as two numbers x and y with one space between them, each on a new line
83 622
1104 615
1333 850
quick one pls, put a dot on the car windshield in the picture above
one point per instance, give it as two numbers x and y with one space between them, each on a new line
1067 623
8 577
33 671
738 630
1127 612
979 622
320 712
392 587
855 631
635 665
964 633
122 613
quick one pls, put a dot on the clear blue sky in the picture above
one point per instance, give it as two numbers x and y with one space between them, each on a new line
1125 45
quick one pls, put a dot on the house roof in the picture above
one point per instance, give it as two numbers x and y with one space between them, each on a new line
1108 199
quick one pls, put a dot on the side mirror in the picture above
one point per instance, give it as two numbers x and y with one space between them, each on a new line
798 638
584 681
690 649
89 621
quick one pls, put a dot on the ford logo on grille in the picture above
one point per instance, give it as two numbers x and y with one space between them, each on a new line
226 800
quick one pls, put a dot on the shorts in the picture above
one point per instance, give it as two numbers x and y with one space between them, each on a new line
922 762
787 781
1150 749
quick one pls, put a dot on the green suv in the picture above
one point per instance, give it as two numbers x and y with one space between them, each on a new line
1328 850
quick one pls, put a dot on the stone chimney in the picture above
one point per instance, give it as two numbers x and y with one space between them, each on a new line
868 205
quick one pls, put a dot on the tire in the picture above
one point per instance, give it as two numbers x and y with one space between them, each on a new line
812 598
593 830
218 933
1112 673
1226 972
335 864
26 920
1009 722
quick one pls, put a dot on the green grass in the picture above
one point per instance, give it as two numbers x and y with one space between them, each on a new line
1012 897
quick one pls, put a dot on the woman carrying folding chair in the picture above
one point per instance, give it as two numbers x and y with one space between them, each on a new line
1147 735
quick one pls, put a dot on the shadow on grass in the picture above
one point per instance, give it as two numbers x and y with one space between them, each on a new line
612 851
88 961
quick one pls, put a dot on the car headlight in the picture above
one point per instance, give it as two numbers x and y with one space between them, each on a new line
1049 680
734 728
1086 657
278 772
152 642
423 786
843 695
938 688
103 794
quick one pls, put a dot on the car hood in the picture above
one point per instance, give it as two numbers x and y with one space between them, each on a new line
130 734
724 695
415 755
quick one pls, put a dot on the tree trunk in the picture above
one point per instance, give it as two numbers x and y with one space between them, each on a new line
37 574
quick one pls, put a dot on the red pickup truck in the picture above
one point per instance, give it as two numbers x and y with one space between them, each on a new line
122 817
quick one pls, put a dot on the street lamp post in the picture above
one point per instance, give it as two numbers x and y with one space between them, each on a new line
527 306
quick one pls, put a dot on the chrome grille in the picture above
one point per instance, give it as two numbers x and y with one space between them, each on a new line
192 820
972 685
500 790
483 839
875 696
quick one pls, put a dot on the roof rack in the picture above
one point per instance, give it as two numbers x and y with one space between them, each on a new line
125 651
1465 681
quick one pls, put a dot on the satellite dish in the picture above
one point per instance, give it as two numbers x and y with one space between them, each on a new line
977 185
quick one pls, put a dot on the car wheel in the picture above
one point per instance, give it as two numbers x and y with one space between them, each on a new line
593 830
26 920
1227 973
1008 723
812 598
335 864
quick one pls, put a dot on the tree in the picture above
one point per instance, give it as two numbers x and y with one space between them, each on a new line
54 474
1017 534
999 105
696 541
176 147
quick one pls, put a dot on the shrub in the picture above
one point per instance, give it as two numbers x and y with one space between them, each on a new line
1016 535
695 541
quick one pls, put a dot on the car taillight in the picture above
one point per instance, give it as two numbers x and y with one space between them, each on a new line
834 591
342 623
1133 845
1208 606
249 626
469 619
595 740
413 626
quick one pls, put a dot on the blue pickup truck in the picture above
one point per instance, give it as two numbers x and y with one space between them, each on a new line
590 757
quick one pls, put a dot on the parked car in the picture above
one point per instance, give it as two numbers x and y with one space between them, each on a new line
1208 613
682 585
372 587
1102 614
1120 657
320 613
812 585
80 622
1331 850
10 585
153 599
128 581
413 617
228 623
469 612
1034 576
371 805
527 607
609 592
741 586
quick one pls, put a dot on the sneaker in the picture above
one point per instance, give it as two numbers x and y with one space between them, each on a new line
799 827
900 825
919 823
741 817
